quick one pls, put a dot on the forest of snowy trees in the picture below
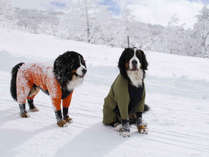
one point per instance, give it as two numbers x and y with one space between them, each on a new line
94 22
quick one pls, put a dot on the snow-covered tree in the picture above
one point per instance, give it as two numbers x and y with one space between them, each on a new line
6 13
126 21
86 20
201 30
36 21
93 21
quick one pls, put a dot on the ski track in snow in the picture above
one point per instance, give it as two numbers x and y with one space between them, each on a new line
178 120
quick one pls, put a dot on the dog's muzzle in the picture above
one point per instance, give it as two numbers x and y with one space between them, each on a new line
134 65
81 73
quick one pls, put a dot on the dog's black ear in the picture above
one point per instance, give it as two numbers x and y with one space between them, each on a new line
144 62
63 68
121 63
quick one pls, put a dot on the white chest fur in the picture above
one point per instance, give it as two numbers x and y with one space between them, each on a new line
136 77
74 83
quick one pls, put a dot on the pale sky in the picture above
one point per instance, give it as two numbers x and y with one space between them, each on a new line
161 11
148 11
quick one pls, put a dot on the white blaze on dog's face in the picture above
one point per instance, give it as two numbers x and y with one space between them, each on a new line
78 75
134 71
134 63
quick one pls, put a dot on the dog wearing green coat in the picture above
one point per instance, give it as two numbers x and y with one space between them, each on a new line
125 101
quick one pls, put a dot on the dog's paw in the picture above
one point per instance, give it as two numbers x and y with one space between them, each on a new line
125 133
117 127
24 115
68 119
142 129
61 123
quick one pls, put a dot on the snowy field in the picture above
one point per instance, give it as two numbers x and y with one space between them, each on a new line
177 92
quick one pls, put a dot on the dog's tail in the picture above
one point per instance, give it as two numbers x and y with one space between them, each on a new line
13 88
146 108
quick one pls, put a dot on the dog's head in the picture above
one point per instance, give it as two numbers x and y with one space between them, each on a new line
132 60
70 69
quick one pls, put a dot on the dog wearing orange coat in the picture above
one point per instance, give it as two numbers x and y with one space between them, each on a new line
58 81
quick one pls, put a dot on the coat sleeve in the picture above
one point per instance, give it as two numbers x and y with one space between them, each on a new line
122 97
66 102
55 92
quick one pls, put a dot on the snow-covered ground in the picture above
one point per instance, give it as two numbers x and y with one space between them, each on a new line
177 92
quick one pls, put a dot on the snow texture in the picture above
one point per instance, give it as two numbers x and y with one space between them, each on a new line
177 92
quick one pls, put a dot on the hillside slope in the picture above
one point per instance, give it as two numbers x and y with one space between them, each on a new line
177 92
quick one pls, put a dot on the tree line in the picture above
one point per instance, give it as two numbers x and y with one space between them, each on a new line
94 22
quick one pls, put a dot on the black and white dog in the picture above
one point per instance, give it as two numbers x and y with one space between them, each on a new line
125 102
133 65
58 81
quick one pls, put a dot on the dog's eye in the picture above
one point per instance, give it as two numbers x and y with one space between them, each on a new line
138 54
129 56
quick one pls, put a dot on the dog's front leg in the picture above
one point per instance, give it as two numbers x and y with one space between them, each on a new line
65 115
58 113
66 104
125 129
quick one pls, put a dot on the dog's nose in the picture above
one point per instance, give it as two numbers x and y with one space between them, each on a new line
134 62
84 71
